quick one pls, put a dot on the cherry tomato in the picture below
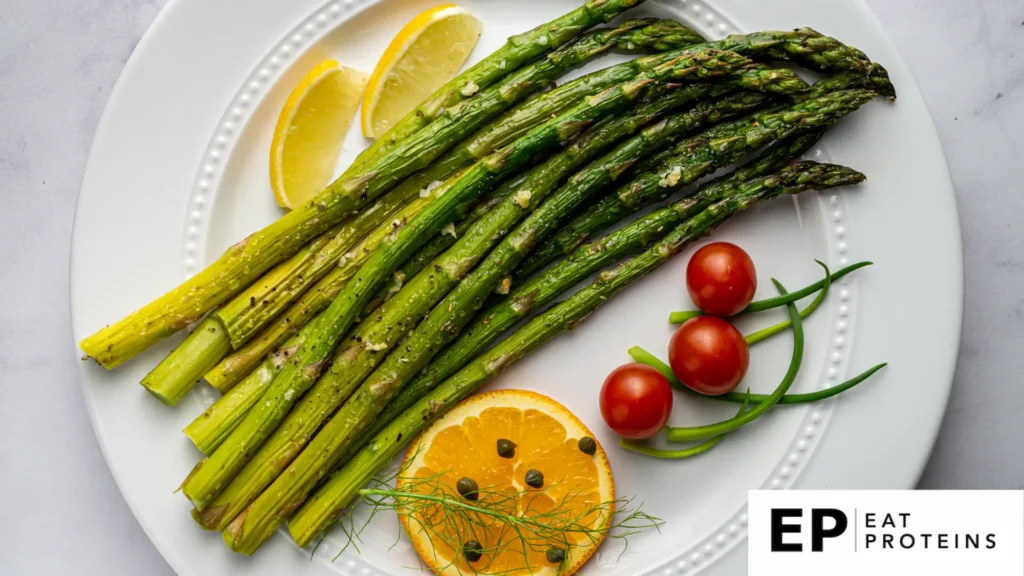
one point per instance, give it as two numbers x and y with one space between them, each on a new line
709 355
721 279
636 401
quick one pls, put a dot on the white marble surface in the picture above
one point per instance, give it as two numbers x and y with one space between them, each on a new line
58 62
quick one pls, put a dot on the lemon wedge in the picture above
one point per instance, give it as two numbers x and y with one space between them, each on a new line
424 55
311 130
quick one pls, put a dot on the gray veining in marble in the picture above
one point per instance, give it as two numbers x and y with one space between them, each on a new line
58 62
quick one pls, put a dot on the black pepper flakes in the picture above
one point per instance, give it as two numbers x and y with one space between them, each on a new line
534 478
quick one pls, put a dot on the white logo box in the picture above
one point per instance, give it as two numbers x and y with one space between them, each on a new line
886 532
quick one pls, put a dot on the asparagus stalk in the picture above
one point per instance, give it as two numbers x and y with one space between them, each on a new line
811 49
249 259
305 365
355 361
327 503
176 374
517 52
655 186
588 259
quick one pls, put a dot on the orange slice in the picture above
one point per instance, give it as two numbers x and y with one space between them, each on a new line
425 54
310 131
464 444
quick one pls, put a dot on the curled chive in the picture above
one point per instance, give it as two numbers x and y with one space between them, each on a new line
769 303
676 454
775 329
644 357
687 434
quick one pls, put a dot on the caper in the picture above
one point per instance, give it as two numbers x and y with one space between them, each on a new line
534 478
555 555
506 448
587 445
468 489
472 550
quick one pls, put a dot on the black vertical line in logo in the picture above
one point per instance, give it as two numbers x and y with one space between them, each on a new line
854 529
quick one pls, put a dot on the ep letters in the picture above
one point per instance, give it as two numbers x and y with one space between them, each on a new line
793 533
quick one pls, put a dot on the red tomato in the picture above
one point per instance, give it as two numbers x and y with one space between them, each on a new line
636 401
709 355
721 279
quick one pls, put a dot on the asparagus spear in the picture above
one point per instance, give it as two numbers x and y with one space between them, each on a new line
327 504
517 52
590 258
247 260
655 186
353 362
811 49
176 374
306 364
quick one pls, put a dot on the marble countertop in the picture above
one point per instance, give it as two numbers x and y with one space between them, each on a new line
58 64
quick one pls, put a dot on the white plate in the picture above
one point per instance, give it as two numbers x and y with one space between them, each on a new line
178 172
